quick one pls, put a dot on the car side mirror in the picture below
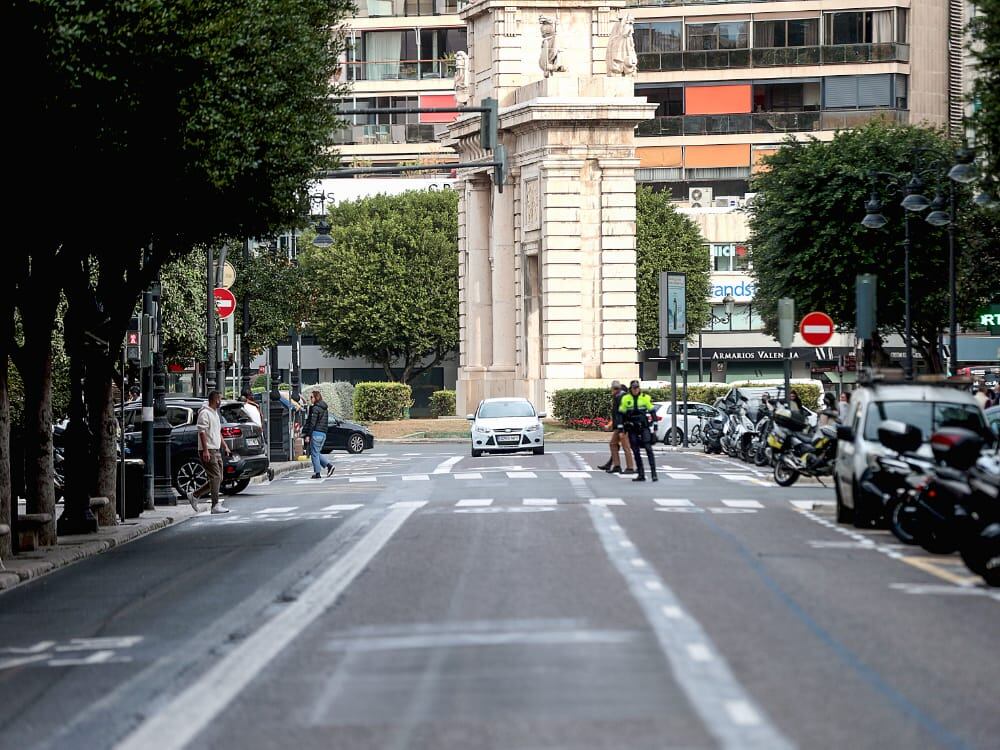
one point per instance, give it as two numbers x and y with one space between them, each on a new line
470 417
542 415
845 432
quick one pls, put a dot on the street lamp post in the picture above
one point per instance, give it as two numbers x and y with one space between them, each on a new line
163 485
246 375
729 303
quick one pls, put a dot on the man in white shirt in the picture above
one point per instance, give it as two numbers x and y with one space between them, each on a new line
211 446
252 408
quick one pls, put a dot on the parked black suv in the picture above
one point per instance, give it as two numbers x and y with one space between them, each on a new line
244 438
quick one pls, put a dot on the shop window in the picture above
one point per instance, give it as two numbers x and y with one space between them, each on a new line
729 256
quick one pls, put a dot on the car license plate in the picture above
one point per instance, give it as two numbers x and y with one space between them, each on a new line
509 439
253 442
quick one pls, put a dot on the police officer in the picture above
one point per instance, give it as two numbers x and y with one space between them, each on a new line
637 409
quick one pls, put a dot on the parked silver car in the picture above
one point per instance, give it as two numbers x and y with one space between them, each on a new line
928 407
506 424
696 412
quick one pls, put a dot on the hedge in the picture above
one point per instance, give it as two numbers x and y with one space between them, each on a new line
381 401
339 397
579 407
443 404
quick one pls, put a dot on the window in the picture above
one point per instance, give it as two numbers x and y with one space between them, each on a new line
711 36
901 35
860 27
786 97
384 101
798 32
850 92
729 256
670 101
923 414
177 416
502 409
745 318
310 377
658 37
436 44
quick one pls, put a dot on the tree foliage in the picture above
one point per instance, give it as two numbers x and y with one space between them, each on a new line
986 88
667 241
807 241
387 289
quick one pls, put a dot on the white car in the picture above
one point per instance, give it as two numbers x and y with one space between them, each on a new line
506 424
696 412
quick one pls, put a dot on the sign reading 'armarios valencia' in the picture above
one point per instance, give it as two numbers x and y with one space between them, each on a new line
755 354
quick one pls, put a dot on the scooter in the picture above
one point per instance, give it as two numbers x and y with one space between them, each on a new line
803 454
711 431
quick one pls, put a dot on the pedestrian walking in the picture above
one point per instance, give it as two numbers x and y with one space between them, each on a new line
637 410
134 395
252 408
842 406
795 402
618 440
314 433
211 447
829 415
981 398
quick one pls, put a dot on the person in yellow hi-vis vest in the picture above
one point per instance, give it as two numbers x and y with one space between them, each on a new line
639 414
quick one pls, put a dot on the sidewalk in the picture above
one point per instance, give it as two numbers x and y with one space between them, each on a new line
71 549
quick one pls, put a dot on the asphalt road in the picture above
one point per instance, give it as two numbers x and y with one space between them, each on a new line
425 599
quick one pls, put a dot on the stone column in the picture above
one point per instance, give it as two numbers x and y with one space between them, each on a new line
477 292
503 292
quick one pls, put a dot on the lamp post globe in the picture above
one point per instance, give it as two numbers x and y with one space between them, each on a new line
730 303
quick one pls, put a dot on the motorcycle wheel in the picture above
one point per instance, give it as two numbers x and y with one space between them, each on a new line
784 475
981 555
760 457
896 519
938 543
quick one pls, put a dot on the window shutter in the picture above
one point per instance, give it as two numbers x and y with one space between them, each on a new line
875 91
840 91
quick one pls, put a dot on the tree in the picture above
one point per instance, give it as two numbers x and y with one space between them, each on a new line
985 30
279 296
807 241
667 241
387 288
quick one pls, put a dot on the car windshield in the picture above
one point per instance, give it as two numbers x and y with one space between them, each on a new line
501 409
925 415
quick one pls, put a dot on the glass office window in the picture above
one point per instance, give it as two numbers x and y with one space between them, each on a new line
712 36
658 36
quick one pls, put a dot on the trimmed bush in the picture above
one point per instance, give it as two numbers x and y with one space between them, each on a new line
443 404
260 383
381 401
339 396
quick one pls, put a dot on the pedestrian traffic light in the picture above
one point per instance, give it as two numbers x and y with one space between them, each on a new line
499 166
489 124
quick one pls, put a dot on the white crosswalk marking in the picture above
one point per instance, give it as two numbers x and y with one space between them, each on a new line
606 501
812 504
349 506
362 479
416 478
681 475
409 504
267 511
667 502
742 504
540 501
522 475
469 475
575 474
737 477
476 502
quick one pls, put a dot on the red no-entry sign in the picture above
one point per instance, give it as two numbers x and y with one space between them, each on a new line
225 302
816 328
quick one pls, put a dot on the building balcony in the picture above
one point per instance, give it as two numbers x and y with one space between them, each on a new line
399 70
770 57
764 122
363 135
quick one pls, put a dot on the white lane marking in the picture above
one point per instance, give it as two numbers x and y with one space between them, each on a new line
445 466
723 705
742 713
742 504
653 585
348 506
416 478
408 454
362 479
737 477
409 504
605 501
267 511
667 502
540 501
469 475
178 723
681 475
575 474
477 502
699 652
521 475
310 481
812 504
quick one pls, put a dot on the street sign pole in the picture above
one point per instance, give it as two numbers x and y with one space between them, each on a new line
210 345
684 392
145 346
786 336
673 399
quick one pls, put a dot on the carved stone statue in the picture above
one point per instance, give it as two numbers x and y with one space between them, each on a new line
462 88
622 60
549 61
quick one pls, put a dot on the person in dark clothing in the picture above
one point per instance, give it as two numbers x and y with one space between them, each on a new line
618 440
638 413
314 431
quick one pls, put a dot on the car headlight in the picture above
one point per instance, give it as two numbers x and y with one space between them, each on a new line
533 428
481 430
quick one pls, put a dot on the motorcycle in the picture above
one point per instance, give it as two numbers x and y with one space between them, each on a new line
738 432
895 478
802 454
760 447
711 432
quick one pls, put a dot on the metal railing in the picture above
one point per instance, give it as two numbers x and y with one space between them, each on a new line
764 122
399 70
769 57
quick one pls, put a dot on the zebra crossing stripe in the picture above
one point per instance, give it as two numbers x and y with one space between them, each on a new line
349 506
521 475
681 475
672 502
606 501
540 501
362 479
477 502
469 475
742 504
575 474
416 478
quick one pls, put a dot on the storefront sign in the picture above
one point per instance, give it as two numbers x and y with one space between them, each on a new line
737 354
740 288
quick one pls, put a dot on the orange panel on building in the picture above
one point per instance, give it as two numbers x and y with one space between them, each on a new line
758 154
731 155
659 156
717 100
438 100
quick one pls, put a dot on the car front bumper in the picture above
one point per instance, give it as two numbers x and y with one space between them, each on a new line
496 441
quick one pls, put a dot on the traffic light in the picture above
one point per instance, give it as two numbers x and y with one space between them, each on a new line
132 343
500 166
489 124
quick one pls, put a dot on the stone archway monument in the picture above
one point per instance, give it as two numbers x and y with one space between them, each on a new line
547 266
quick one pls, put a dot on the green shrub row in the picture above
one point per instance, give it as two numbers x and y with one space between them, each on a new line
573 404
379 402
443 404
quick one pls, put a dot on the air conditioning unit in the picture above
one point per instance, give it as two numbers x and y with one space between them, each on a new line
727 201
699 197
